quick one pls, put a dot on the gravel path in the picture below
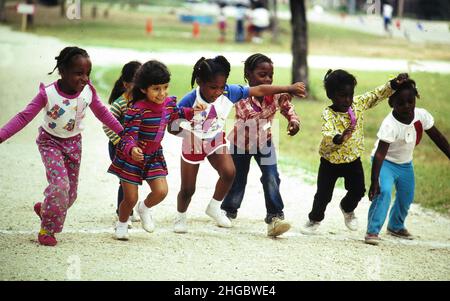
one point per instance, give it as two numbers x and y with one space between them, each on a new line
87 251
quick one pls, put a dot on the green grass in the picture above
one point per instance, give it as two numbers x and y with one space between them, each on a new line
126 28
301 151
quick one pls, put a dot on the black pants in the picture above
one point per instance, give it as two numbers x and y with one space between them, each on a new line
353 175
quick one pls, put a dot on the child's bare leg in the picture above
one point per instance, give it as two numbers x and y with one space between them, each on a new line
223 163
158 192
130 197
188 180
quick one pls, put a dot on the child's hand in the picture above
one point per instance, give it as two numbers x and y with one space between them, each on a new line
347 133
293 127
298 89
284 100
137 154
199 107
400 79
374 190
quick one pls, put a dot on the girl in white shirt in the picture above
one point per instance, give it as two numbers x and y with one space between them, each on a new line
392 164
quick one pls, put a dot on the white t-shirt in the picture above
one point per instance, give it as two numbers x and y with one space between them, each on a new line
260 17
402 138
387 11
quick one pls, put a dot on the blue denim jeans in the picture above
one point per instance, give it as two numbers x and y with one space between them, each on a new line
266 160
402 176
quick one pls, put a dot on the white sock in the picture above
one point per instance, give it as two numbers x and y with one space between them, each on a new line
122 225
143 207
215 204
183 215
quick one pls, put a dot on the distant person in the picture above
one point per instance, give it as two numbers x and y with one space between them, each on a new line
260 21
343 144
387 17
139 155
222 24
65 103
119 100
399 134
240 23
252 138
206 140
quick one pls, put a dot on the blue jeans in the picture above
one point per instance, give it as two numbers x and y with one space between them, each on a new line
266 160
402 176
112 154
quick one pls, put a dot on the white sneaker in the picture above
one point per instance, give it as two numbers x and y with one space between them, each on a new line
219 216
116 219
135 216
146 217
277 227
121 232
180 224
350 219
130 225
310 228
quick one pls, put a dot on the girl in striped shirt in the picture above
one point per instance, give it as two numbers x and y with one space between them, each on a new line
139 153
119 100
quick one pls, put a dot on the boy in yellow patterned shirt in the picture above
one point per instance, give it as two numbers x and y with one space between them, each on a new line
343 144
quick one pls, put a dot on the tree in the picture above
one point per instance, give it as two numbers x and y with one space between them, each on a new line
299 41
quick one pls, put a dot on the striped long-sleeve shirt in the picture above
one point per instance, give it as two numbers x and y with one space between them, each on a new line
145 124
118 108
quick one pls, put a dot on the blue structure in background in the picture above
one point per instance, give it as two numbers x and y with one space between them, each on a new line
202 19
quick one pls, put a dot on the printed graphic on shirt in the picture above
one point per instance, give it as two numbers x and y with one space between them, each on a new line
204 125
70 125
52 125
66 102
55 112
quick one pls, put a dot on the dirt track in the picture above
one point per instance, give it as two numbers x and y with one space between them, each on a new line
87 251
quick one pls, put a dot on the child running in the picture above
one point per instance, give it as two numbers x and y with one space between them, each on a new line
208 138
343 143
119 101
139 153
59 141
251 137
399 133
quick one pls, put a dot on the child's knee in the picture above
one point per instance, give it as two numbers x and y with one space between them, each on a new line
228 174
187 192
160 193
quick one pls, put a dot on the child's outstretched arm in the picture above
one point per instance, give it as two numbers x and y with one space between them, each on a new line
24 117
103 114
296 89
439 140
118 109
371 99
378 159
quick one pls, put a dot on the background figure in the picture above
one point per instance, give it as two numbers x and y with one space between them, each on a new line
240 20
260 21
387 17
222 24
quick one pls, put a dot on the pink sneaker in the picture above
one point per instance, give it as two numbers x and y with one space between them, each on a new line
37 209
47 240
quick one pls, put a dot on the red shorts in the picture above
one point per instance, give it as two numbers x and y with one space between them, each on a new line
195 151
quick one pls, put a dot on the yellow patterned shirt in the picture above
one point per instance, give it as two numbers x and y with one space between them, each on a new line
334 123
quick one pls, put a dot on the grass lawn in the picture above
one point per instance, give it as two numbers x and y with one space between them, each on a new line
301 151
126 28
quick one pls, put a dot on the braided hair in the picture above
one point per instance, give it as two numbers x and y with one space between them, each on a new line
253 61
151 73
65 57
206 69
335 81
408 84
127 74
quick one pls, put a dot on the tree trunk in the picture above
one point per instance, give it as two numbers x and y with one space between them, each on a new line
275 29
62 8
2 11
299 41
